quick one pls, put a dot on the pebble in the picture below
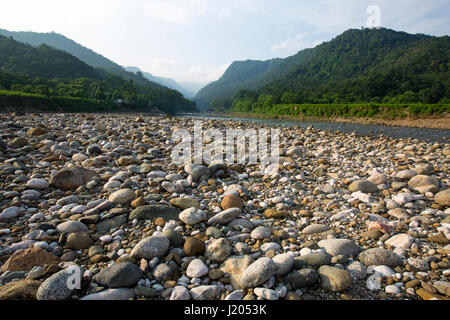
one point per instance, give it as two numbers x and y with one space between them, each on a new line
123 274
111 295
104 193
196 269
151 247
258 272
192 216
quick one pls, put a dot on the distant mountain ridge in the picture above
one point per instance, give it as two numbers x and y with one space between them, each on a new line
44 74
358 65
168 82
61 42
90 57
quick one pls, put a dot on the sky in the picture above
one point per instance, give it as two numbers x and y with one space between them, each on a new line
197 40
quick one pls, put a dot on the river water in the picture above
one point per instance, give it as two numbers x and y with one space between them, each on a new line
434 135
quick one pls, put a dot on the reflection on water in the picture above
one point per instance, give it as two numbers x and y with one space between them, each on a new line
435 135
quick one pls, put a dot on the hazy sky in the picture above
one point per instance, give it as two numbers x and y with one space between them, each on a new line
196 40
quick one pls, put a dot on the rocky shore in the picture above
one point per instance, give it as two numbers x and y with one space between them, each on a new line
344 217
431 122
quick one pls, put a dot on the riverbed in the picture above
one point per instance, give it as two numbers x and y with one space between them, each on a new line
425 134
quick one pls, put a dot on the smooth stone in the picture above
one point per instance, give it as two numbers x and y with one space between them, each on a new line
315 228
284 263
72 178
123 196
400 240
123 274
192 216
149 248
244 223
315 259
385 271
261 233
193 247
379 256
232 201
266 294
443 198
180 293
334 279
11 212
225 216
392 289
258 273
196 269
55 287
398 213
37 184
236 295
422 180
302 278
363 186
111 295
275 214
71 227
357 270
205 292
79 240
185 203
338 247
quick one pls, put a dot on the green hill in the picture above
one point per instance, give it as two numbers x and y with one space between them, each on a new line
359 66
90 57
50 72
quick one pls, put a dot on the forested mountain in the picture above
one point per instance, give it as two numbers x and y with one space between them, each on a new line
50 72
169 83
90 57
369 65
60 42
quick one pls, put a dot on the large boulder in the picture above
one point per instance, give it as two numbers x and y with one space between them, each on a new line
72 178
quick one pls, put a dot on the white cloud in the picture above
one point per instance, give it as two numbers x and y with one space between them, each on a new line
205 73
295 44
175 11
172 68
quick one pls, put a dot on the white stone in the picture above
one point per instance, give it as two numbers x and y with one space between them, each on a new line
392 289
266 294
37 184
11 212
196 269
385 271
180 293
402 240
192 216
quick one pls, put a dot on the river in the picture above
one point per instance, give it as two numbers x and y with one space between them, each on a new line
433 135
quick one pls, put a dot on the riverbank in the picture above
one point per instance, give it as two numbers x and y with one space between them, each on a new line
432 122
101 198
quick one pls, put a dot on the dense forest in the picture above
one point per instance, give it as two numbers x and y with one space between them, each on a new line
90 57
50 72
359 66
